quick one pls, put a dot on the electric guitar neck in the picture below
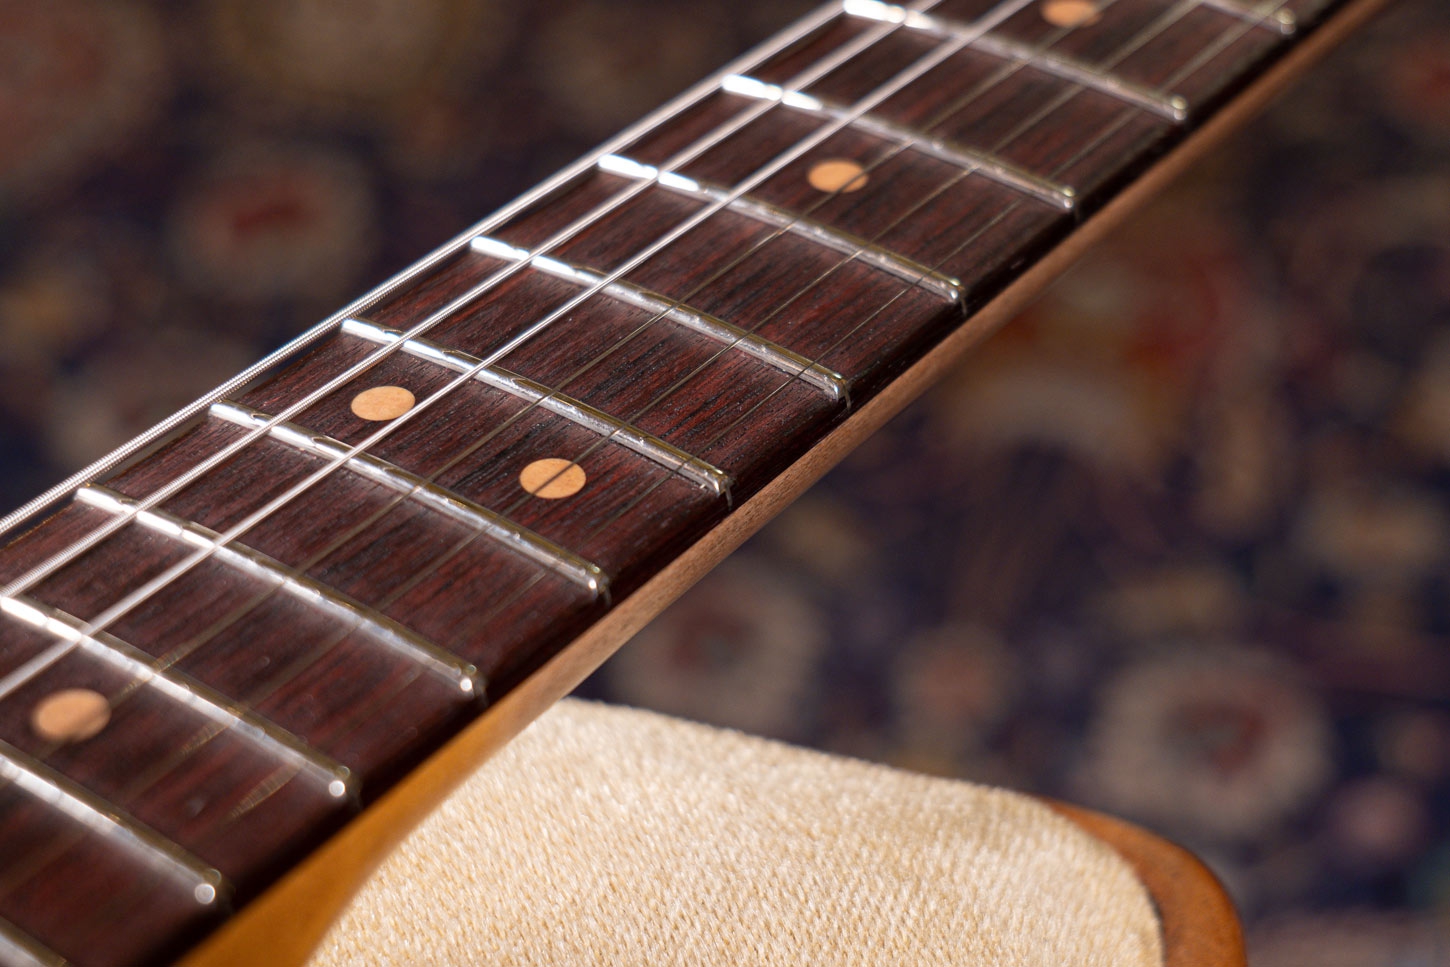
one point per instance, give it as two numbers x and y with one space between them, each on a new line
243 655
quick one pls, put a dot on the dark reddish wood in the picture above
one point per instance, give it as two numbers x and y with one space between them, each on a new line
342 687
936 213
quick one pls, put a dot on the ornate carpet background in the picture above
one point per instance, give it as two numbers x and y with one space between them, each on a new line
1173 544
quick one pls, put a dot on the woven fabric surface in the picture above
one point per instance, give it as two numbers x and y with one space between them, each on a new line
606 835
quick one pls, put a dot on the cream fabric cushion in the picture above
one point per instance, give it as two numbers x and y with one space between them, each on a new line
606 835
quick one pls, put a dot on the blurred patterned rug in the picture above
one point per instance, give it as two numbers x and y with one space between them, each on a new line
1174 544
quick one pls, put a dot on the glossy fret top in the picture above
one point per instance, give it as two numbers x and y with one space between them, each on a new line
217 645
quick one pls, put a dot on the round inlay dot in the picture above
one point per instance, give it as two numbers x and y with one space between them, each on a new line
70 715
838 174
553 478
1070 13
382 403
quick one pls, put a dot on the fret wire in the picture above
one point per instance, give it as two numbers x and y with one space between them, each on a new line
519 539
513 536
11 877
298 585
820 69
1285 22
178 757
767 397
133 599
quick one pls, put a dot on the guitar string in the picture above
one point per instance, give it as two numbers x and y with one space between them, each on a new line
704 143
1128 114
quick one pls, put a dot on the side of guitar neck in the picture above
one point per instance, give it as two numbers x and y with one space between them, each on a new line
311 603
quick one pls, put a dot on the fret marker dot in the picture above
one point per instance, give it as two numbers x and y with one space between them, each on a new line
382 403
1070 13
553 478
70 715
838 174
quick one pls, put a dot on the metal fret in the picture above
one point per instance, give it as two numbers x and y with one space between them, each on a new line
514 536
208 886
295 583
22 950
838 241
1273 15
183 688
980 162
575 411
778 357
1170 106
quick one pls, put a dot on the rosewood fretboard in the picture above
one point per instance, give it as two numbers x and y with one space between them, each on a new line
225 640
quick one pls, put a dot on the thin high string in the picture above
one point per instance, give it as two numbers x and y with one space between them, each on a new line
1127 115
